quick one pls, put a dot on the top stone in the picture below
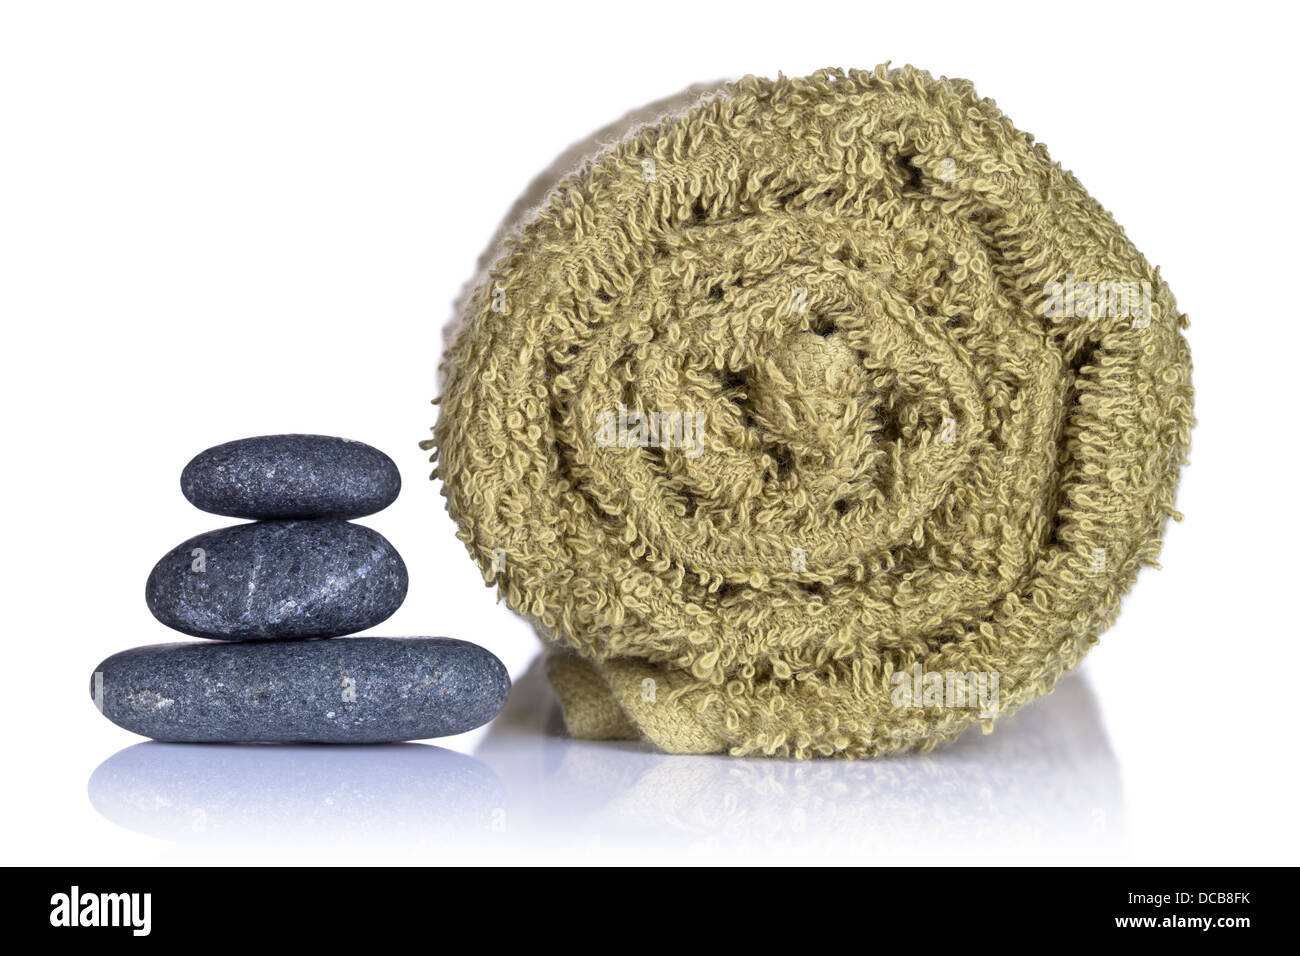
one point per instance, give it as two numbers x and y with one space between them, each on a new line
291 476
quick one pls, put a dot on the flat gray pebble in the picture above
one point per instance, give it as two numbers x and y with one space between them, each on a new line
278 579
348 690
291 476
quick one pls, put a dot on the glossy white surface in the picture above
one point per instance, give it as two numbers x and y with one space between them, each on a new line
525 791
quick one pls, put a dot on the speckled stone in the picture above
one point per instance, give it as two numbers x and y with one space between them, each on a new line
278 579
291 476
351 690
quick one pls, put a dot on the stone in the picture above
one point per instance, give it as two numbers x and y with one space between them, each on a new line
291 476
349 690
278 579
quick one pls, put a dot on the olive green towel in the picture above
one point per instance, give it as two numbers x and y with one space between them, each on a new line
829 416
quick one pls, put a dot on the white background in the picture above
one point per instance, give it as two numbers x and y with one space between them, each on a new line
230 219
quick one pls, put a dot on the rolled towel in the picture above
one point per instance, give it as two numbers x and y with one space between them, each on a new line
826 417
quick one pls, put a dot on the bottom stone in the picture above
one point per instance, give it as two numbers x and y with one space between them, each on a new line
339 690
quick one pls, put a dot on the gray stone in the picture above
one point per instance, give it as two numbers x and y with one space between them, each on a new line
291 476
348 690
278 579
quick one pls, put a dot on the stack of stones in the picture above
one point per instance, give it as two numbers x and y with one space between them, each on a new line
266 594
